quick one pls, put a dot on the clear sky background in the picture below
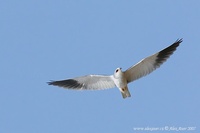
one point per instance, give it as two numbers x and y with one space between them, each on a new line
42 40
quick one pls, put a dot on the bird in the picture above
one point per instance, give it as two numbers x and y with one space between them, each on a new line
119 79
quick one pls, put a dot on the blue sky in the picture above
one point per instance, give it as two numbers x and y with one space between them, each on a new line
53 40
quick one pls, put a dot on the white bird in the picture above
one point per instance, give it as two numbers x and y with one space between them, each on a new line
120 79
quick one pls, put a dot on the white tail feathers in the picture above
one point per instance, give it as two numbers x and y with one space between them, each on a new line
125 92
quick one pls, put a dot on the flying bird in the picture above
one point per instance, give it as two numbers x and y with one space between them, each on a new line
120 78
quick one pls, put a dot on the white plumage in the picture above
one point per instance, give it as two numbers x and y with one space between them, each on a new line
119 79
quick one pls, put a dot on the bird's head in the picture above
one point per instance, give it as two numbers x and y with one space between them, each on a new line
118 72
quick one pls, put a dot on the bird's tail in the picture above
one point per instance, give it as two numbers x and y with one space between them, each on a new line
125 92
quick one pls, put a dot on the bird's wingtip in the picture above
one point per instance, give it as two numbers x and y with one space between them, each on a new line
179 40
50 82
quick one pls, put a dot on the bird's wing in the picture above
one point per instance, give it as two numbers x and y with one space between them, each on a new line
89 82
149 64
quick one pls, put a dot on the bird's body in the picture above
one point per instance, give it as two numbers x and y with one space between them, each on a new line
121 82
119 79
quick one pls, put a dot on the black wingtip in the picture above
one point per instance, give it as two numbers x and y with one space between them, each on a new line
50 82
165 53
69 83
178 41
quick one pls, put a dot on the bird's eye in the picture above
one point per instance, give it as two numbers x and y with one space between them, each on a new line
117 70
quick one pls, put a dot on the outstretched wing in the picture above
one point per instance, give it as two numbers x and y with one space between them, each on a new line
89 82
149 64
